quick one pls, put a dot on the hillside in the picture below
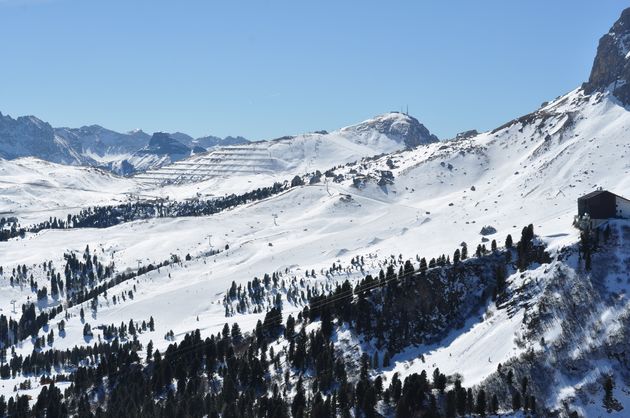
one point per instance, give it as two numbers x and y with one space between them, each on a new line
369 271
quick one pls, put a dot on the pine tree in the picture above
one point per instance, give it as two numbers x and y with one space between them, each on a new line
481 403
494 404
237 336
450 404
516 400
87 330
470 401
149 350
386 360
299 401
609 400
461 398
524 385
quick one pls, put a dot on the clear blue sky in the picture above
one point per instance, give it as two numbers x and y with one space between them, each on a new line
263 69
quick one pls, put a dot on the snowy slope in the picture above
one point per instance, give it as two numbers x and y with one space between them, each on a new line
34 190
529 171
420 199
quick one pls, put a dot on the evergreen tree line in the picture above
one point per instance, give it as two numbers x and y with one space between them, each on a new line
111 215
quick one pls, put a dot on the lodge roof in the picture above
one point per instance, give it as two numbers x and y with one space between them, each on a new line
599 192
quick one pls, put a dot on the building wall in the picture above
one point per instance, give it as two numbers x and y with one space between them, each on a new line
601 206
623 208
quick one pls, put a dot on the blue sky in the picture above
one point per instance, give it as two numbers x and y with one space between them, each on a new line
263 69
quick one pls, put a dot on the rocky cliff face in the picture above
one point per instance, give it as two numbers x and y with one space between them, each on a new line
28 136
96 140
162 144
611 68
214 141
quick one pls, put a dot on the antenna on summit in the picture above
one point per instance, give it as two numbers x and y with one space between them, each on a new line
407 113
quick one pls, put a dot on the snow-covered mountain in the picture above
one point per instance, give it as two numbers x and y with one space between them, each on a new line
28 136
103 144
267 161
136 151
398 127
122 153
442 311
209 141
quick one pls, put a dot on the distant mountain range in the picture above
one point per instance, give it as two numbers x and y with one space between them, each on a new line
287 156
136 151
122 153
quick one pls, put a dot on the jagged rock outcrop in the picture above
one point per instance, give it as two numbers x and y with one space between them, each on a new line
96 140
28 136
94 145
397 126
611 67
215 141
161 144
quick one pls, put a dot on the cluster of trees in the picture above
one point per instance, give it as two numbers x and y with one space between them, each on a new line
261 295
85 279
411 306
9 228
82 273
29 324
527 251
44 362
85 294
22 275
123 331
110 215
258 296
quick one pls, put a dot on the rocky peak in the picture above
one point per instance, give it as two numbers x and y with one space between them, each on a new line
611 68
162 143
398 126
28 136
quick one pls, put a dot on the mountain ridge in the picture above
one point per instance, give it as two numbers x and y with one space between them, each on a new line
90 145
132 152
